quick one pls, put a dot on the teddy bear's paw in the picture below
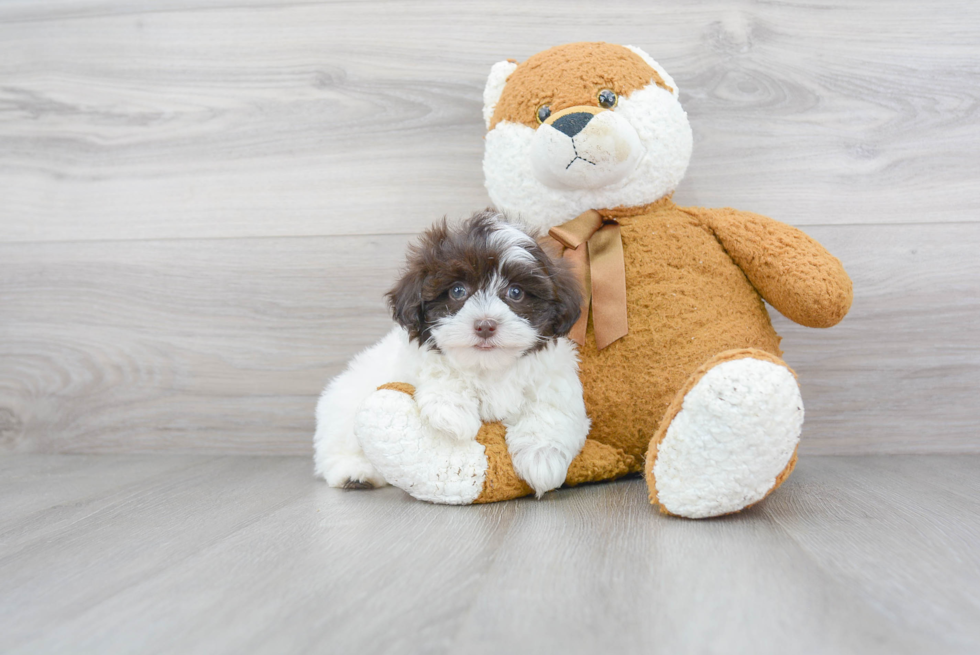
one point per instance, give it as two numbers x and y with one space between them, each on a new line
544 467
352 471
735 434
423 462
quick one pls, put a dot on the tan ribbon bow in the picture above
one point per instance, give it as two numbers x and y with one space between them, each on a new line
594 249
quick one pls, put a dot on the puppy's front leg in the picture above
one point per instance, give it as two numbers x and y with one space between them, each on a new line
543 441
447 410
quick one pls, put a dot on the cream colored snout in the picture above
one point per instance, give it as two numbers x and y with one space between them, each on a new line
584 148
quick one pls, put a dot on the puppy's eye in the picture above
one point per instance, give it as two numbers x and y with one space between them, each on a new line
515 293
544 111
607 98
457 291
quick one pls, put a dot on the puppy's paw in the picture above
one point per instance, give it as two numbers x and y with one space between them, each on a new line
543 467
352 472
451 420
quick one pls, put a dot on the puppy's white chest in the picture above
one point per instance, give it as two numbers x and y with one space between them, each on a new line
500 399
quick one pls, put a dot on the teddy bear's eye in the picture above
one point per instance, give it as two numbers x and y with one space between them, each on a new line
607 98
544 111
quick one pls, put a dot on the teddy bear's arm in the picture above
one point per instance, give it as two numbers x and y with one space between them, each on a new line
793 272
458 472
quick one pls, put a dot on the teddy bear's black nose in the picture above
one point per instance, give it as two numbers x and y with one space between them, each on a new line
572 124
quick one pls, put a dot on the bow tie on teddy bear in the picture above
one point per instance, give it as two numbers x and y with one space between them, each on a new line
588 141
593 247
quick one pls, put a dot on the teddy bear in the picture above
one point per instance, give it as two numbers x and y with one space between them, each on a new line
681 367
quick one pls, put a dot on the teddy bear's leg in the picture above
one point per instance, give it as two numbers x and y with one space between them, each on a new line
426 464
729 437
442 470
598 462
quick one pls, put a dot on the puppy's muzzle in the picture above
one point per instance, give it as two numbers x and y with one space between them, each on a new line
584 148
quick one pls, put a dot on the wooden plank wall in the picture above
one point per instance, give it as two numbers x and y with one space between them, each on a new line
202 202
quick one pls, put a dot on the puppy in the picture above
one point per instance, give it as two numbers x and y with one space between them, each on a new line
481 314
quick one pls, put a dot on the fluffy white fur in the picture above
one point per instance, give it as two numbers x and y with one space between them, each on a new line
496 82
602 154
537 396
514 181
461 345
423 462
461 381
664 75
735 433
737 428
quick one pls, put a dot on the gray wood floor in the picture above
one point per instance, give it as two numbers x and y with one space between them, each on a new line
202 202
234 554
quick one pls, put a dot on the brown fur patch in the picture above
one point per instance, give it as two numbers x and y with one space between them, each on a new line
799 277
472 254
597 462
404 387
686 303
569 76
594 463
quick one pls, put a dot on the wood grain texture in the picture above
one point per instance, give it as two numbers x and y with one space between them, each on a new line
901 373
203 201
895 508
182 345
237 554
223 346
215 118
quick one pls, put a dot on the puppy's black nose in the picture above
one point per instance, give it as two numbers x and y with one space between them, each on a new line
485 328
572 124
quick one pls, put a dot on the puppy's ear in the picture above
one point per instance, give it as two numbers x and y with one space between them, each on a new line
567 306
405 301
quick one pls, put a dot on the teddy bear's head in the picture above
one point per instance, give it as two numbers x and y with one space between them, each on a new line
582 126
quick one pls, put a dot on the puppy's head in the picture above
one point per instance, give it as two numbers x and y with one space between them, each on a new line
484 293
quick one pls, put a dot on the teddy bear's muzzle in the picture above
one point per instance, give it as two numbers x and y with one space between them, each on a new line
584 148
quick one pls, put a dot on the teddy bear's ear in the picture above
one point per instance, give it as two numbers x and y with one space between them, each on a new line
495 86
668 80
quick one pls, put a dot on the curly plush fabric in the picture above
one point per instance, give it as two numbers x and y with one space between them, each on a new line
789 269
764 390
596 462
439 470
569 76
686 302
698 379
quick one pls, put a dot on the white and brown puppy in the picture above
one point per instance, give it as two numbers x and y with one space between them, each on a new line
482 313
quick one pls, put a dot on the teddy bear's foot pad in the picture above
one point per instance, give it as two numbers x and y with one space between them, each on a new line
735 434
414 458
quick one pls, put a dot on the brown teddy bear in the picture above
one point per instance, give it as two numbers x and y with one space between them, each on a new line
680 363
